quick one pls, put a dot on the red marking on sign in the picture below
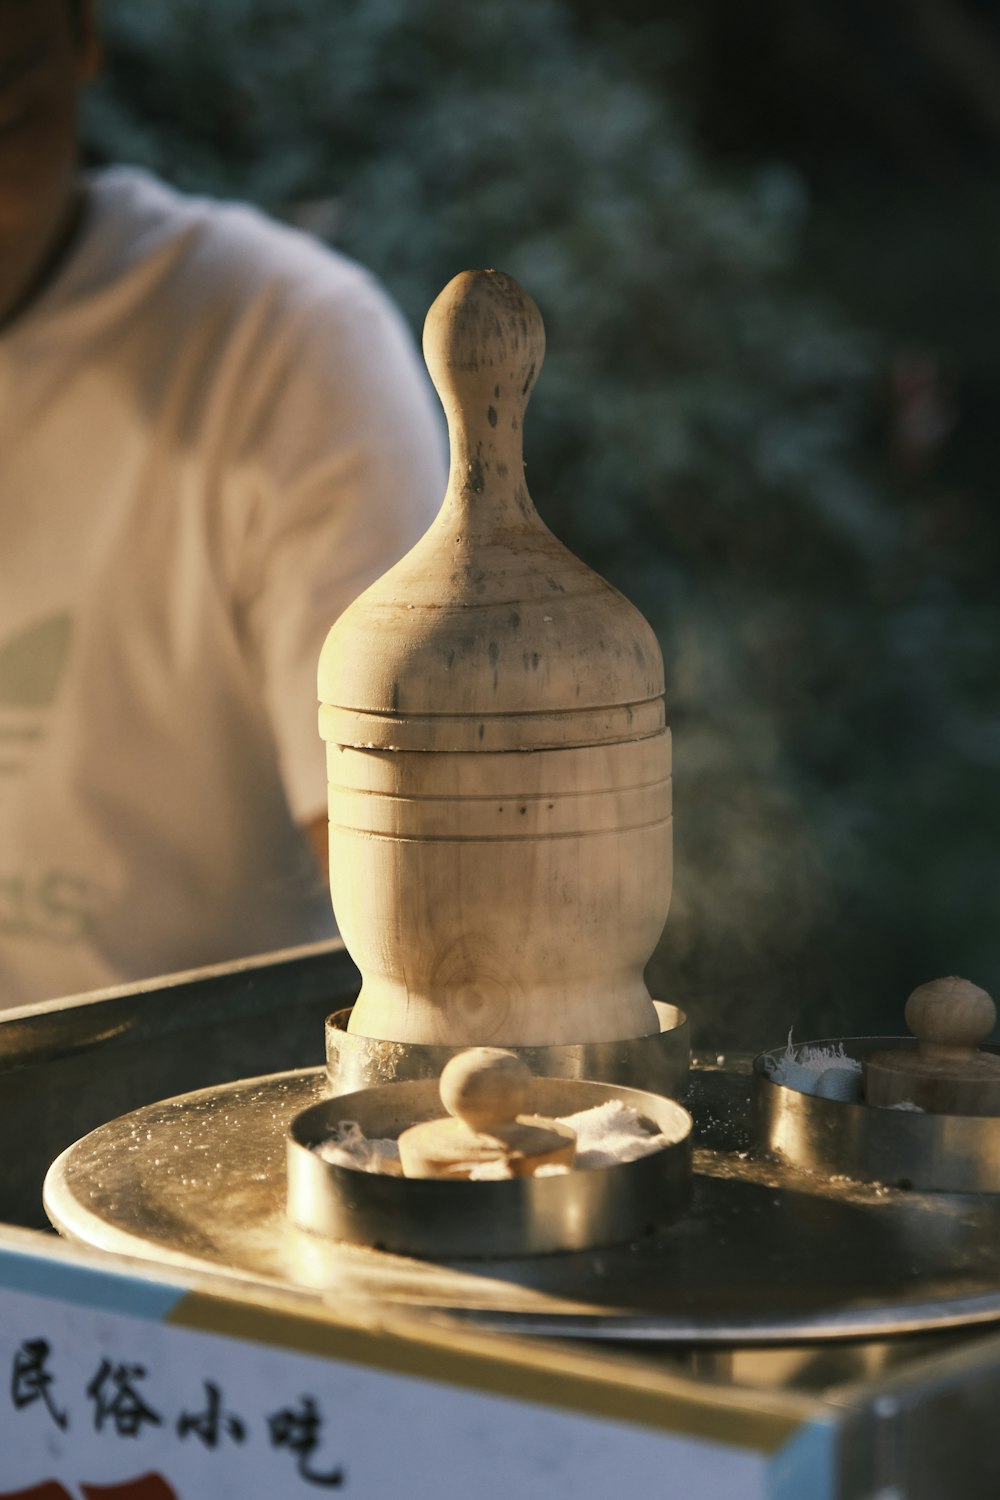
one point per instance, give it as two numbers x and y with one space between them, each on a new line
49 1489
146 1487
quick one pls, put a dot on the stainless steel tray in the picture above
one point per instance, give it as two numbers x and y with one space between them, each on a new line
766 1254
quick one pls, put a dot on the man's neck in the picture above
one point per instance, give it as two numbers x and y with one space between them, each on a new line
50 263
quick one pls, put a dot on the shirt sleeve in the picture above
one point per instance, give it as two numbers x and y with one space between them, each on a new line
342 471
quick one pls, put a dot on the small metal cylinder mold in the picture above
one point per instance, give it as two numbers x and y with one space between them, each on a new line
578 1210
658 1063
903 1148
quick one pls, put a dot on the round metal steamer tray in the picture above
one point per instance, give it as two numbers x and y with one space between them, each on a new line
901 1148
764 1254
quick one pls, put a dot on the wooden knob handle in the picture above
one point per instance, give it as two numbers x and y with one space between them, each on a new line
483 334
945 1073
485 1087
484 342
950 1017
484 1090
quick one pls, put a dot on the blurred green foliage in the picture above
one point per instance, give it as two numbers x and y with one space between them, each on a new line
701 434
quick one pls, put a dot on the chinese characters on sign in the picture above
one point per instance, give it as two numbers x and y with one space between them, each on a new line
117 1401
212 1423
121 1408
299 1431
31 1379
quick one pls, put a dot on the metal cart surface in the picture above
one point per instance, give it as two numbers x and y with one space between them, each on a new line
895 1407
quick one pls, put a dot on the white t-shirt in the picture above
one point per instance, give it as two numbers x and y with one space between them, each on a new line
214 433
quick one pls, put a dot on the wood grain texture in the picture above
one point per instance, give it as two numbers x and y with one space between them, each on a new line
946 1073
489 614
499 767
448 1148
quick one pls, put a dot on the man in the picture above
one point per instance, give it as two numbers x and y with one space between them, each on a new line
213 434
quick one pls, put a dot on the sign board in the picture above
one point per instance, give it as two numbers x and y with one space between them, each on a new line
119 1383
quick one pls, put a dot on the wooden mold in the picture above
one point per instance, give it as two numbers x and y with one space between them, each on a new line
499 765
946 1073
485 1091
